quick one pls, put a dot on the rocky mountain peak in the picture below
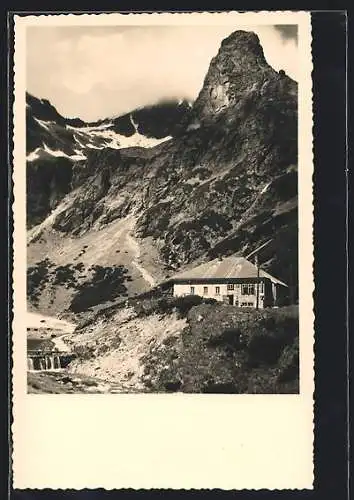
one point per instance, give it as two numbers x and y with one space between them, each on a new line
242 40
238 72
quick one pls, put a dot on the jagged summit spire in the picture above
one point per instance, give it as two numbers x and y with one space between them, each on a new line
243 40
238 70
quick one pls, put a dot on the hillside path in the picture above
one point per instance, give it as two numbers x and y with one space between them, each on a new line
135 248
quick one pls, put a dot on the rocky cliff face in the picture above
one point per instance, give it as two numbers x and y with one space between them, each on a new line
59 150
239 71
225 181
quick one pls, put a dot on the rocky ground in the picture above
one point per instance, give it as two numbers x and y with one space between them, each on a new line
65 383
189 345
113 349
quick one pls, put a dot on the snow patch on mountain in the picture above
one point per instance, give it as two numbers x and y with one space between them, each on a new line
78 156
34 155
265 188
92 146
45 150
58 153
89 128
113 140
117 141
101 136
79 142
44 124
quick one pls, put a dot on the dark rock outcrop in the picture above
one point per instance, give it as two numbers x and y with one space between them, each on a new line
53 141
239 73
48 181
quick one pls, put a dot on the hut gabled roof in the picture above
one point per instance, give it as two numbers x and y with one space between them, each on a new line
228 267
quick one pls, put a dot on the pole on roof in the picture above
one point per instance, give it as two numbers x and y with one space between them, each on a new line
258 249
257 284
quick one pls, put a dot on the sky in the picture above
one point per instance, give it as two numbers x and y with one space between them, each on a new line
98 72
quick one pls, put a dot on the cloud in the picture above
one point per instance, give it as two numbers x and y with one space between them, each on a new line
95 72
287 31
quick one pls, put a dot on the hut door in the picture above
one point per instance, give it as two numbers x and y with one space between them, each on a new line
231 299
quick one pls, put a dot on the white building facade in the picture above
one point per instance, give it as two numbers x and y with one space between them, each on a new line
240 294
233 280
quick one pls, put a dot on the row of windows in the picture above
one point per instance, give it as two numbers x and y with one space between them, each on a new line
246 289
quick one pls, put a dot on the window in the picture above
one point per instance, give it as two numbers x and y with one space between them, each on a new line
205 290
247 290
217 290
230 287
192 290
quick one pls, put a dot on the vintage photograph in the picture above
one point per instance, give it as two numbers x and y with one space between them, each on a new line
163 322
162 209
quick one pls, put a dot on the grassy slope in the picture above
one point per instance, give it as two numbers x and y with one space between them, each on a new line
229 350
110 247
166 344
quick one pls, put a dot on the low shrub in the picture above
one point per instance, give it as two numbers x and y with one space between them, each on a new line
263 349
64 275
83 352
225 349
289 363
229 337
107 283
185 304
164 304
37 277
